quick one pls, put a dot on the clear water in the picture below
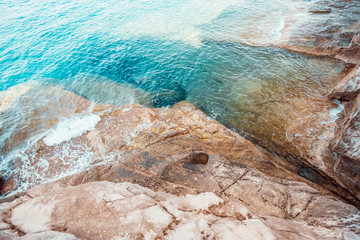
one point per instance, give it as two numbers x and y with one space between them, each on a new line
216 54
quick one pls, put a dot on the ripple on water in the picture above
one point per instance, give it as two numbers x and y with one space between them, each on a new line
156 54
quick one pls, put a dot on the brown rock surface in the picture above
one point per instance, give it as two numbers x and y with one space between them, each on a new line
297 122
178 151
349 87
152 142
157 142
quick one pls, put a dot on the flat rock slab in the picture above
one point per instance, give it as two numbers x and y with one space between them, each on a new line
104 210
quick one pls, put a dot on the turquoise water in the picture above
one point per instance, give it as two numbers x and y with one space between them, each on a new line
213 53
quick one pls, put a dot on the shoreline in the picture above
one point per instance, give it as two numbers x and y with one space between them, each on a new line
166 173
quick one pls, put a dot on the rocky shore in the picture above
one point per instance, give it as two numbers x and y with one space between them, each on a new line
198 179
175 173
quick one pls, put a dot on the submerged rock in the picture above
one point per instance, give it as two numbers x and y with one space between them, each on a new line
326 28
38 110
8 96
104 90
297 122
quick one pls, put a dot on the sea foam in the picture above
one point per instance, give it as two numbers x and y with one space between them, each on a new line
72 127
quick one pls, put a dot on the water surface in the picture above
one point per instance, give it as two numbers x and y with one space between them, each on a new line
216 54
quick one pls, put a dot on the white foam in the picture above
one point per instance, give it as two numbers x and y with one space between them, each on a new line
335 112
72 127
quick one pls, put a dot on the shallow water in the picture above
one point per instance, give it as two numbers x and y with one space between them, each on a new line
155 53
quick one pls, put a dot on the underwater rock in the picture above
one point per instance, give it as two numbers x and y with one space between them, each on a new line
299 126
8 96
327 28
297 123
105 210
45 105
104 90
168 96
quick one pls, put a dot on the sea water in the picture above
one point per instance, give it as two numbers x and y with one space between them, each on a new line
217 54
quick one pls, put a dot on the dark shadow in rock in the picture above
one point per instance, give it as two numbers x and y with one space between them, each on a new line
149 161
191 171
199 158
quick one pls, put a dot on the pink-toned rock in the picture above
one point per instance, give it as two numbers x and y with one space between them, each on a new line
299 128
178 151
8 96
154 142
44 106
346 143
104 210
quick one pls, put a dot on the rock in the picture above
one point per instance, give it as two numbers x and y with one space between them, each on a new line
321 29
104 210
8 96
6 186
44 106
154 141
173 143
349 87
53 235
346 143
104 90
198 179
298 126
